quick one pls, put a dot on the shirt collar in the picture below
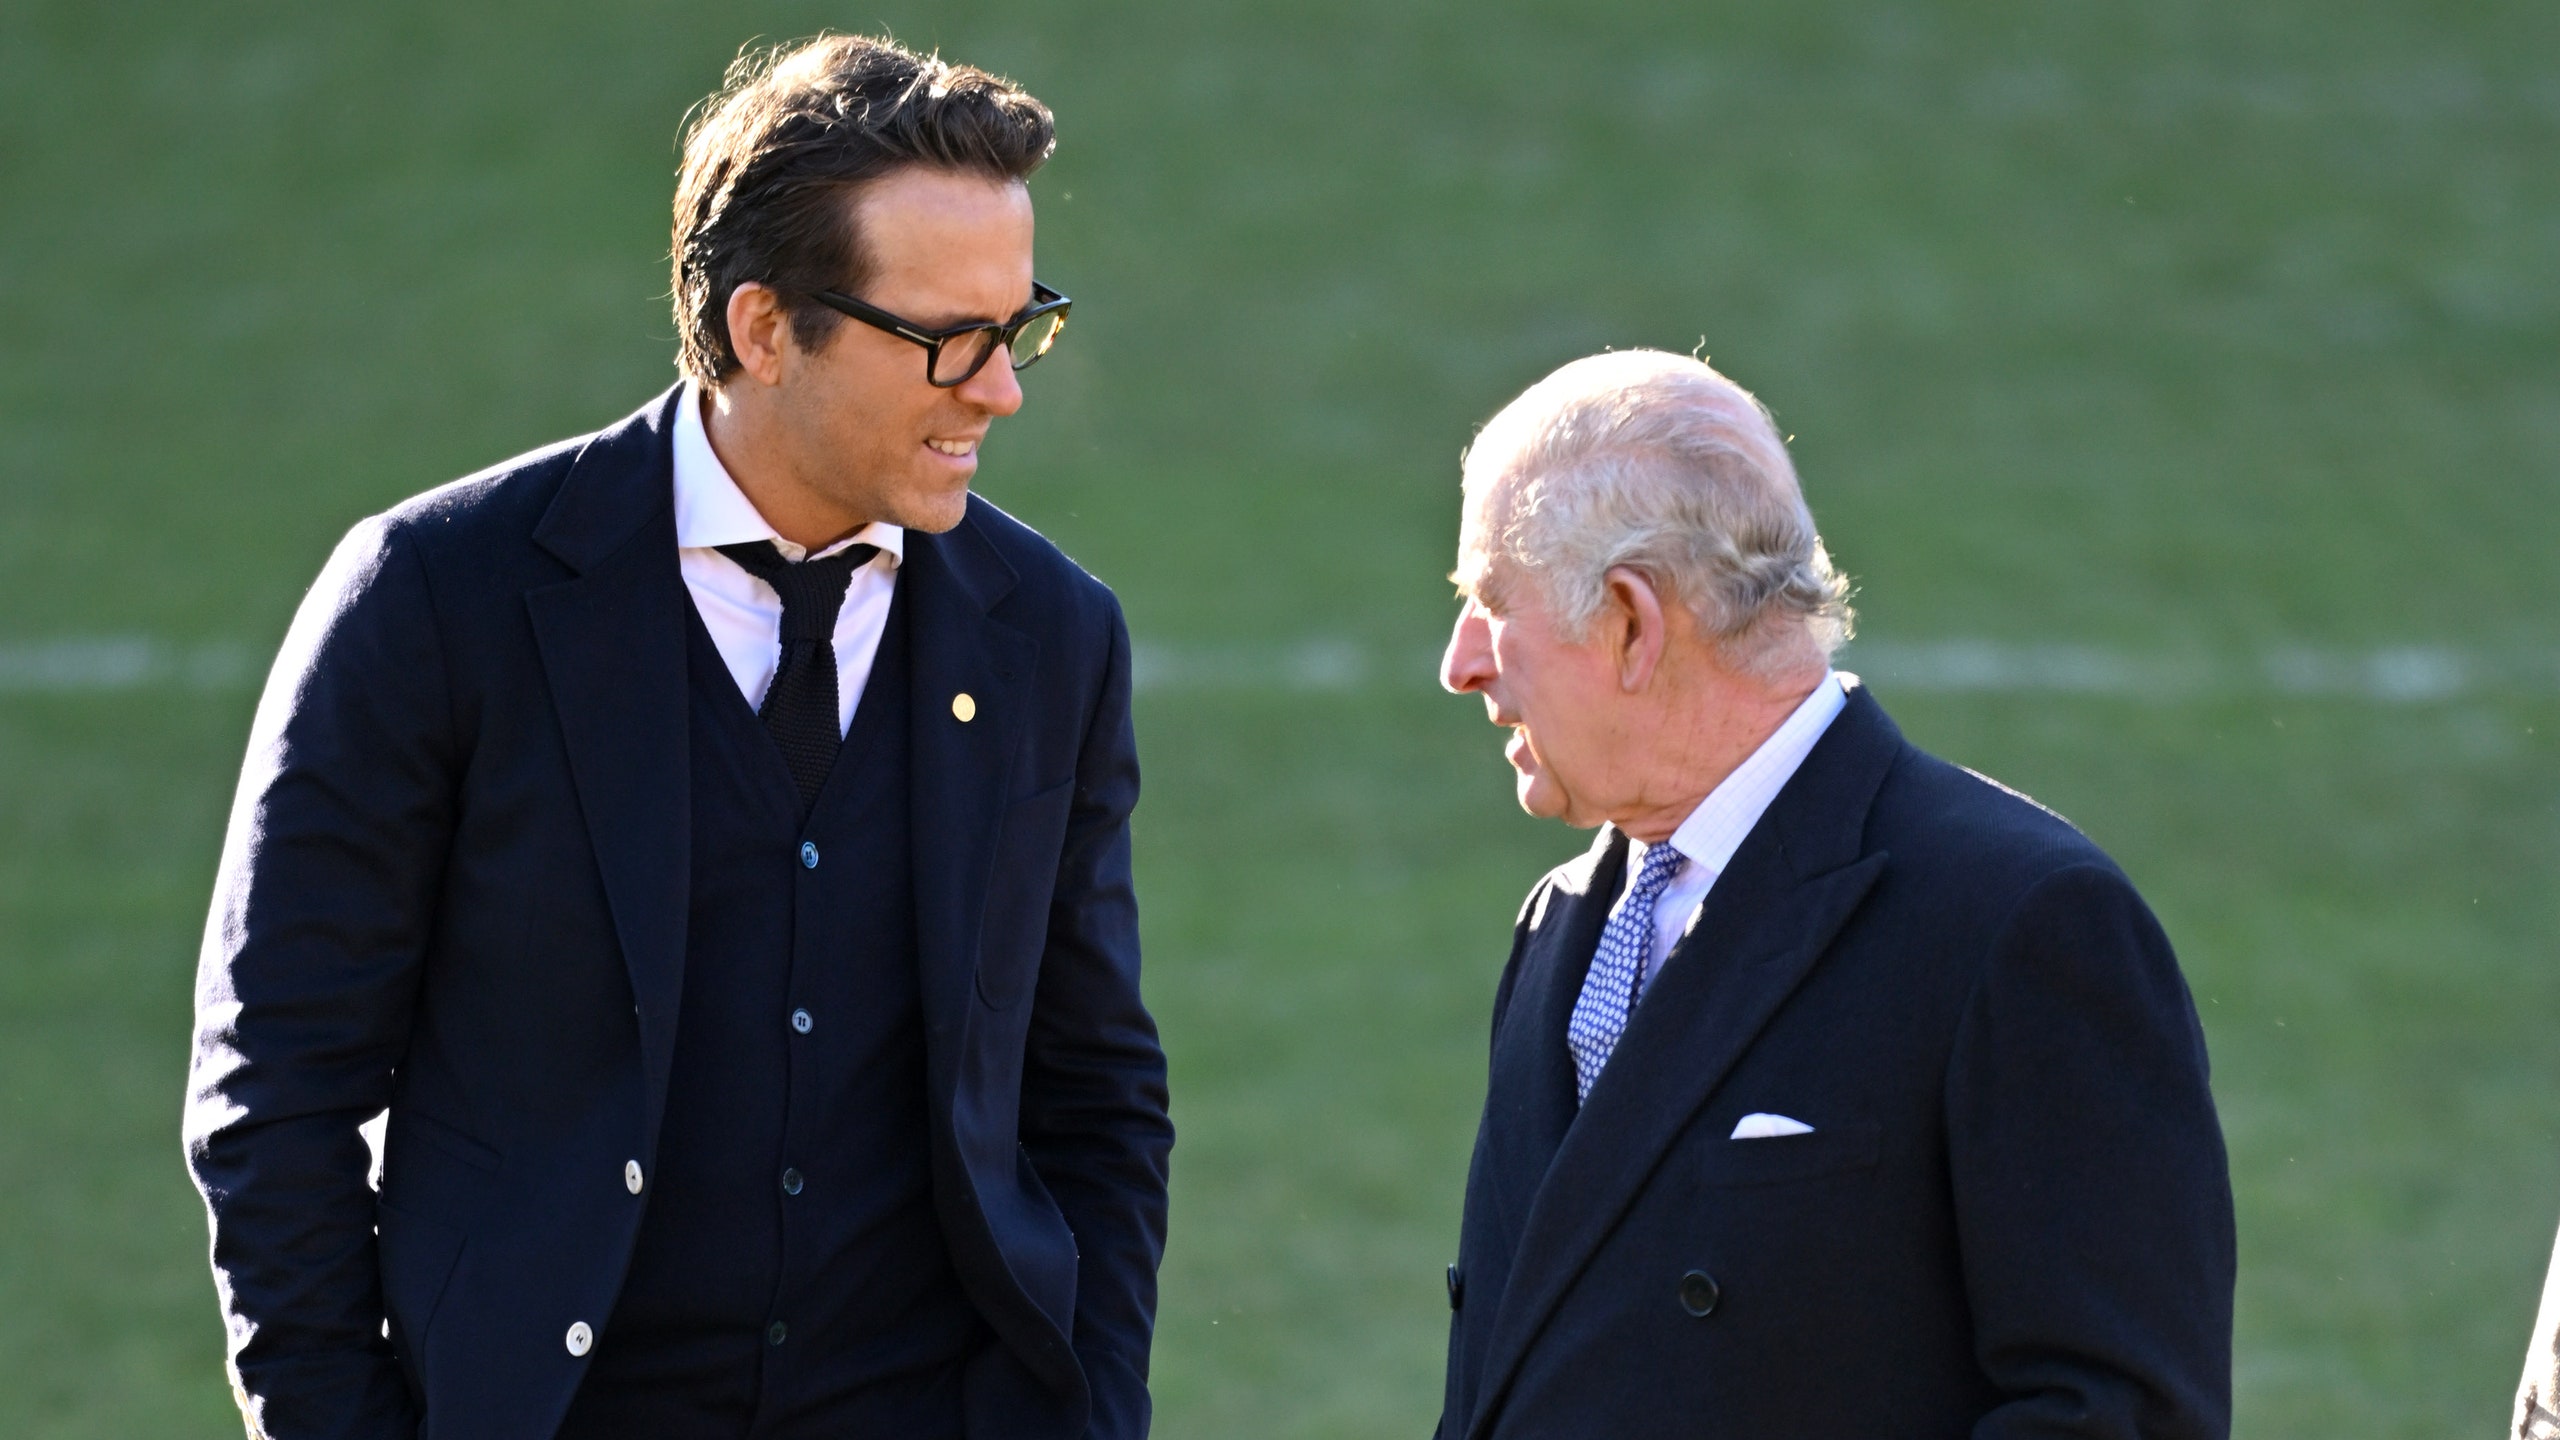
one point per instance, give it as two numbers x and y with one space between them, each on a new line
711 510
1718 826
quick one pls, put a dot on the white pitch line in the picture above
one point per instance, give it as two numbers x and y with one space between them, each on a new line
2395 674
123 662
2392 674
1307 665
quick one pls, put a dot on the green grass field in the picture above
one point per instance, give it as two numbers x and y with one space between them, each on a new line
2214 341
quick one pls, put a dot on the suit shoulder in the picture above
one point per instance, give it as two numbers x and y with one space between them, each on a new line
1043 571
507 500
1939 815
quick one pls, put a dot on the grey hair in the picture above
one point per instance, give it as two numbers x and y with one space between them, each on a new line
1656 462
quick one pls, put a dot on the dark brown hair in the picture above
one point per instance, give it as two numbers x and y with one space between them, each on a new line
772 161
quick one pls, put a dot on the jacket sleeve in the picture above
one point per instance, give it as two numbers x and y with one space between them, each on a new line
1094 1113
2093 1200
305 987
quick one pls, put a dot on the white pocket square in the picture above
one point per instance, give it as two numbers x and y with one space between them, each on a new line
1760 1125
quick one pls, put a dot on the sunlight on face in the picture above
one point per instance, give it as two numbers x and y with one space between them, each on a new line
867 426
1560 699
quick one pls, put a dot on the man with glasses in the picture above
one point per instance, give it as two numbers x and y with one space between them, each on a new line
708 841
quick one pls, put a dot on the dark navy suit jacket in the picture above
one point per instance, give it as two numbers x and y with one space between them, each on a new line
2012 1217
455 886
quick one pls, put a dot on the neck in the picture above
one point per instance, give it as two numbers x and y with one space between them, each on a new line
746 432
1711 720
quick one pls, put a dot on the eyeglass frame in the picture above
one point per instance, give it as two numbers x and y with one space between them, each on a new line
1044 303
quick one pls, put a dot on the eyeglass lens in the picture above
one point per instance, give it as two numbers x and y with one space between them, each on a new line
1033 340
961 355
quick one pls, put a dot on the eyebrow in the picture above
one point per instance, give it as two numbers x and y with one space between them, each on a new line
1485 591
942 319
945 319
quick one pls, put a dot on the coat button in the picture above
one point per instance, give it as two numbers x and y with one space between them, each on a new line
631 1176
776 1333
1699 1293
1457 1287
801 1024
581 1339
790 1182
963 708
808 854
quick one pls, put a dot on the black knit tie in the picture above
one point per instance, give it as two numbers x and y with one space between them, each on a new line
799 709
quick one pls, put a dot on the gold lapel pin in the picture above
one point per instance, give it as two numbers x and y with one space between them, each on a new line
963 709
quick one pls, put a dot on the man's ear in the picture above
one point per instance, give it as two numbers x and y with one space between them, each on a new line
1634 627
758 331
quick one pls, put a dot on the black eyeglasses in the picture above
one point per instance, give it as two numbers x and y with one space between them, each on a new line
955 352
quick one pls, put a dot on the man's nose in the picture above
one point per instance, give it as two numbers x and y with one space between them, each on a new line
994 388
1468 662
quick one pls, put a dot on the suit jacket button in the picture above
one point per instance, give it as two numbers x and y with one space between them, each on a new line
1699 1293
1457 1287
581 1339
631 1176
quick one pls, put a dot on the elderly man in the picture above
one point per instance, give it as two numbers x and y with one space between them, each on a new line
1835 1091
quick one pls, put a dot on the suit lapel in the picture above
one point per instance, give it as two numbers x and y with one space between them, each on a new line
962 768
1532 1087
612 642
1773 912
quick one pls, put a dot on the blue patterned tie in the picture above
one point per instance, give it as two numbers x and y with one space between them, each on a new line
1617 967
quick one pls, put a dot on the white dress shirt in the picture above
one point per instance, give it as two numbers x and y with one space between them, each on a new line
1707 839
743 613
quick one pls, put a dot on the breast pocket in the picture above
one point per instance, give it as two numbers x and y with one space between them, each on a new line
1842 1148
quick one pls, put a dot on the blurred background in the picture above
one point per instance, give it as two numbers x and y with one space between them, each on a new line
2181 381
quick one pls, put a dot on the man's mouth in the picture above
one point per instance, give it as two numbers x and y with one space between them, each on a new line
956 449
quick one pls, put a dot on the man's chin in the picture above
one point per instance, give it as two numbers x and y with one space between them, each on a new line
935 514
1540 798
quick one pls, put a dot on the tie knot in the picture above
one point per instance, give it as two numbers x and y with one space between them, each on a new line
1661 862
812 591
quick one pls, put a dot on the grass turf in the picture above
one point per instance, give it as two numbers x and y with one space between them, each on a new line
2178 327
